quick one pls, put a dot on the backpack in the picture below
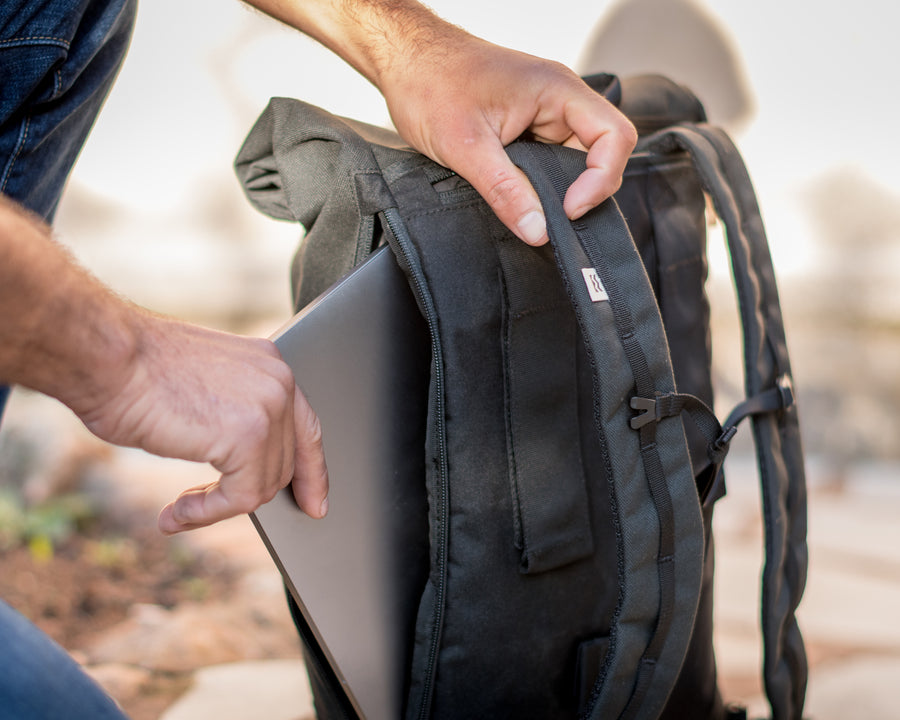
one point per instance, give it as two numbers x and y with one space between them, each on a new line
572 458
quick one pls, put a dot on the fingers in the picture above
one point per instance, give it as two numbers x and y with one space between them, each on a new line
609 142
506 189
310 475
197 507
232 494
558 108
230 401
609 139
295 456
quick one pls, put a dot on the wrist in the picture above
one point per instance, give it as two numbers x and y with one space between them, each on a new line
64 334
389 39
378 38
105 349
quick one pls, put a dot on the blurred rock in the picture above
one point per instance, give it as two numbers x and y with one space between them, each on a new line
245 626
46 451
860 688
272 689
123 682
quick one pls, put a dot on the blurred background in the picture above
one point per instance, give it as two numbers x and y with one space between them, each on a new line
805 88
154 209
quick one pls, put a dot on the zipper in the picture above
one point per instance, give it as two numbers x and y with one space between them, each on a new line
408 258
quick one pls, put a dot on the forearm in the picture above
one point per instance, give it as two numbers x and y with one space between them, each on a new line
459 100
61 332
373 36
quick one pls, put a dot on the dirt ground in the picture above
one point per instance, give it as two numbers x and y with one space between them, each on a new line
94 578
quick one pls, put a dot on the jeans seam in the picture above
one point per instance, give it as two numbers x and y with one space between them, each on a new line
36 40
23 137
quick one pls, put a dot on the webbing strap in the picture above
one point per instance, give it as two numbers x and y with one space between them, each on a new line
547 475
766 374
718 436
623 332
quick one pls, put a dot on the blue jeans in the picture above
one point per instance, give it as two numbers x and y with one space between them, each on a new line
58 59
38 679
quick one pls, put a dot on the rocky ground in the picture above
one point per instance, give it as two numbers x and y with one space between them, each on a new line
149 617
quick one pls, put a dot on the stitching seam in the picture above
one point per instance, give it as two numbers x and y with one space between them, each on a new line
23 137
28 38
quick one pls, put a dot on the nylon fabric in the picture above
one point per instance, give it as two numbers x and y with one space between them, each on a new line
620 267
539 369
585 591
777 438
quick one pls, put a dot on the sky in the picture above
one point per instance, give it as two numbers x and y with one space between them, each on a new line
822 75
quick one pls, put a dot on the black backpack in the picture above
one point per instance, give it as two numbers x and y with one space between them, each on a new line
572 459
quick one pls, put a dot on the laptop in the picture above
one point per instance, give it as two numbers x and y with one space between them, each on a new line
361 355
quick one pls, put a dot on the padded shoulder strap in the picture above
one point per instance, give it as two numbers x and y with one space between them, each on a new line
776 434
654 499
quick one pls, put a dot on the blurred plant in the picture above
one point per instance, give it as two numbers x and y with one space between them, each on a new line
12 520
112 553
197 589
44 526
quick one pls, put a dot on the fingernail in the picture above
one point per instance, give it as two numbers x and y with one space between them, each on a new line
165 522
579 212
532 227
323 508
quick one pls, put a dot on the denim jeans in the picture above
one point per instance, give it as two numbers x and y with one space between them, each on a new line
40 680
58 59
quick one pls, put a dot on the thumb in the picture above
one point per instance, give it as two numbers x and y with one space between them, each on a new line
506 189
198 507
310 479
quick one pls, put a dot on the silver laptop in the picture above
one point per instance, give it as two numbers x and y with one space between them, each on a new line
361 355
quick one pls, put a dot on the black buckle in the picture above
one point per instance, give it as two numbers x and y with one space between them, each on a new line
786 388
647 406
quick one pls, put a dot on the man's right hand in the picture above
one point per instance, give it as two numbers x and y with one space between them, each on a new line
145 381
231 401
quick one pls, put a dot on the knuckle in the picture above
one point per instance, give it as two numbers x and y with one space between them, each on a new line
628 133
503 190
257 425
283 374
313 434
248 500
264 346
612 185
275 392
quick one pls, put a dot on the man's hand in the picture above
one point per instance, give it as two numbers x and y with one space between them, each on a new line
462 107
231 401
460 100
144 381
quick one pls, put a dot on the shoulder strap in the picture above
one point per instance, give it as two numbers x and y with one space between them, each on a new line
651 478
767 374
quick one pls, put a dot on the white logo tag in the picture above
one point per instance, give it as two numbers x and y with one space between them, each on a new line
594 286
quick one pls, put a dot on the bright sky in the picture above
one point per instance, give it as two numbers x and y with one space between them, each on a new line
200 71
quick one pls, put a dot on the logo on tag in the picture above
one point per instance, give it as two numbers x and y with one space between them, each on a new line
594 287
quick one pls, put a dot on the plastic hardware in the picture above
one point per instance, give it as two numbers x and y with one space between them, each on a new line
786 388
648 414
